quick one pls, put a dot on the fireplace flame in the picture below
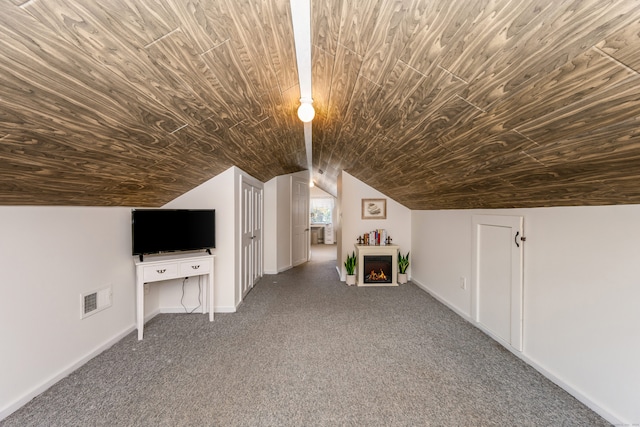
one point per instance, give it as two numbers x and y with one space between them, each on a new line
377 276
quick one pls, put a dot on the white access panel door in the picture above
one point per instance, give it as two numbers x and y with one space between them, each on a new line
299 221
497 285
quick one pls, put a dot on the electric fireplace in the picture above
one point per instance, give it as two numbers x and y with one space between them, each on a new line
377 265
377 269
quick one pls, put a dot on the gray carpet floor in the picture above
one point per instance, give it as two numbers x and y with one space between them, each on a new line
306 350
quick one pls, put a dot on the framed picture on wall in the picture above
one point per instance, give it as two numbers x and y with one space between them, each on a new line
374 208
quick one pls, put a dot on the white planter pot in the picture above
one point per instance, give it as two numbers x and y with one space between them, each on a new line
402 278
351 279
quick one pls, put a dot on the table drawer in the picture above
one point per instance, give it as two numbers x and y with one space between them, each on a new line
191 268
160 272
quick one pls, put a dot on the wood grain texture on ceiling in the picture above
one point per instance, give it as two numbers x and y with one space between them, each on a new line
135 102
480 104
439 104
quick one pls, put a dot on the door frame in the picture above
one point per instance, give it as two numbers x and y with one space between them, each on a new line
258 224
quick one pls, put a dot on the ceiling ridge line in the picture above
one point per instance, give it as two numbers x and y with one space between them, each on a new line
301 22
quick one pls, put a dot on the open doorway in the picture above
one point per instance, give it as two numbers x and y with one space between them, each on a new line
322 207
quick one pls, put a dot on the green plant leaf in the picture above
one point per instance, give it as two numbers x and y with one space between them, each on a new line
403 262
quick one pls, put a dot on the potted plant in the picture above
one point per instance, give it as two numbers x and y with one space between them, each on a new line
350 265
403 264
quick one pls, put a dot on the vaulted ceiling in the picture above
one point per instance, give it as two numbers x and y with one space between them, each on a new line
437 104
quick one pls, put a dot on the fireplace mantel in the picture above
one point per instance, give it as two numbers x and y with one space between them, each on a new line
363 250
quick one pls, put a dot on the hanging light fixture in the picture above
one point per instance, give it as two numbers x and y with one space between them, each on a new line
306 113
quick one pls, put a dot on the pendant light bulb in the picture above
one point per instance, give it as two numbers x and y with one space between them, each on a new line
306 113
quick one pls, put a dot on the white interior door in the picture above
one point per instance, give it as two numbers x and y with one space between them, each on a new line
251 240
497 277
300 221
247 253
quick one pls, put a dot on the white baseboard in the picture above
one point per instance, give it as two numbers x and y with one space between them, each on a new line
534 364
180 309
279 270
151 315
36 391
459 312
575 393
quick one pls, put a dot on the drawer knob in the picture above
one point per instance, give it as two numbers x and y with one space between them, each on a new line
195 267
161 271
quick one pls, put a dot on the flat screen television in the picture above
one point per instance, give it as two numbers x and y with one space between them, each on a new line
155 231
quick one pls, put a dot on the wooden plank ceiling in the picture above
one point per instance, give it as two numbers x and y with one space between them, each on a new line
438 104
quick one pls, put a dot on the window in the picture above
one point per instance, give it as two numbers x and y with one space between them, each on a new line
321 209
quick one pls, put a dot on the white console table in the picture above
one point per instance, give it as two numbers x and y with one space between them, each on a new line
166 267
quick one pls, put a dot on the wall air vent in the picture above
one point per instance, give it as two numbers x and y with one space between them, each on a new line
90 303
93 302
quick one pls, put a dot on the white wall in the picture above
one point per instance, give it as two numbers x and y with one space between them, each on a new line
270 234
316 192
285 226
278 223
218 193
48 257
221 193
397 224
581 294
337 227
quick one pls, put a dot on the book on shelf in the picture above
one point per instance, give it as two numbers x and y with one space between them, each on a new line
375 238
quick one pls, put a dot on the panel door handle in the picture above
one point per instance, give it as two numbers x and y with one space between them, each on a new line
195 267
522 239
161 271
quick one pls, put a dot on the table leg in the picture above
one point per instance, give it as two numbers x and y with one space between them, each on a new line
140 307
